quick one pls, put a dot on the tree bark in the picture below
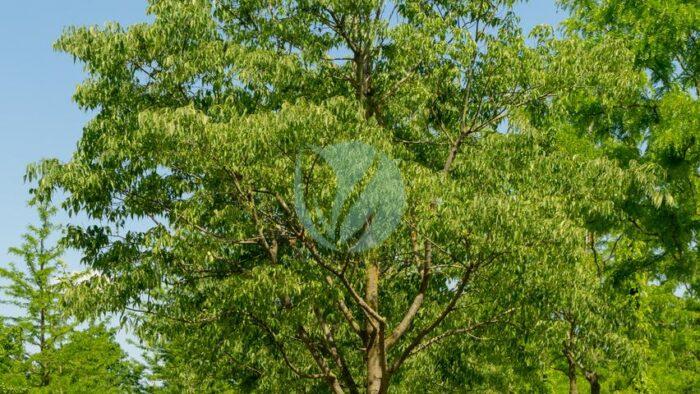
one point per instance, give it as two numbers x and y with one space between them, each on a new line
376 357
573 387
593 382
45 377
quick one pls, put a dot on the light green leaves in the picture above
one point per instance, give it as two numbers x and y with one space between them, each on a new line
515 157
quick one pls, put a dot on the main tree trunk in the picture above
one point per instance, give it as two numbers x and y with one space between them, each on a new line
376 357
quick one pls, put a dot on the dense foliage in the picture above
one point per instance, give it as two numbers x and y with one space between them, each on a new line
550 234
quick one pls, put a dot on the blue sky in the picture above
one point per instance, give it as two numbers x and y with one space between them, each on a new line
37 117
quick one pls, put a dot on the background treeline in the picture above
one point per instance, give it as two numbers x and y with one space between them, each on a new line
550 238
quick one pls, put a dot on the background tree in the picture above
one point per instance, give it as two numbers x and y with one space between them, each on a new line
91 360
658 124
12 360
171 369
36 291
41 349
593 324
672 336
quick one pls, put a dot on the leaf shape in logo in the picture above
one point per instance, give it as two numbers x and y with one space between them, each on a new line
369 210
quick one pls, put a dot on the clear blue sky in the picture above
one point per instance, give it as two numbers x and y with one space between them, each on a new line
37 117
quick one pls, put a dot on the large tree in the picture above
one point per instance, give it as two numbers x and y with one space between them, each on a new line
200 118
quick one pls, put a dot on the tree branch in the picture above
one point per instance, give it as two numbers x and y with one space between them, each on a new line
456 331
336 354
280 347
405 323
427 330
321 362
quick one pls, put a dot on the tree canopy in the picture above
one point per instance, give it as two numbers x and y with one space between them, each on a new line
550 183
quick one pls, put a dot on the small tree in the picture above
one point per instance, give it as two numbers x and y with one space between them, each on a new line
36 292
93 361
